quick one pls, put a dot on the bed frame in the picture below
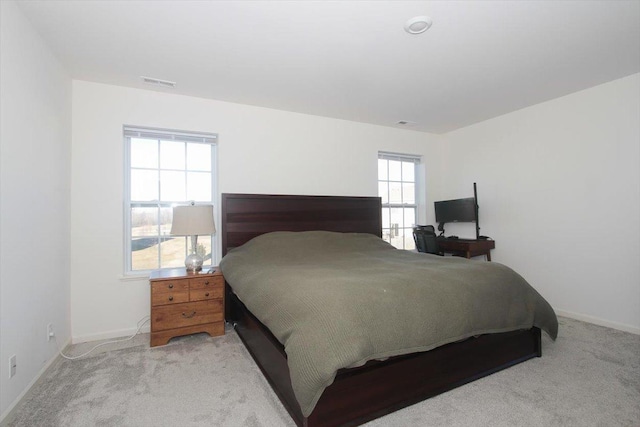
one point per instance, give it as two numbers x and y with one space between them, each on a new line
359 394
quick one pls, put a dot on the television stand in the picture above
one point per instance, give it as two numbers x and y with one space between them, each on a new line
466 248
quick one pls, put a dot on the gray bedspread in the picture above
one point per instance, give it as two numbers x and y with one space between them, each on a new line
337 300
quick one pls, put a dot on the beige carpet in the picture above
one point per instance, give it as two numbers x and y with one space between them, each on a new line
589 377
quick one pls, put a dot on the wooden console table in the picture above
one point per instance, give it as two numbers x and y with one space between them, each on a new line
466 247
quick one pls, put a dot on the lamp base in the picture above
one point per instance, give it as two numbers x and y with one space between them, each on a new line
193 263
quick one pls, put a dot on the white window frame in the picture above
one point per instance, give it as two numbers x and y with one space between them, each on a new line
165 135
418 186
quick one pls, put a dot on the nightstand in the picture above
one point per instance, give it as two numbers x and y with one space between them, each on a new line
186 303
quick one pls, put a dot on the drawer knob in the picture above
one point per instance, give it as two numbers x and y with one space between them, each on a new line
207 294
188 316
170 298
206 283
170 285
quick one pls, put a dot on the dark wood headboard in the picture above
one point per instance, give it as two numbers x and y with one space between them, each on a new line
245 216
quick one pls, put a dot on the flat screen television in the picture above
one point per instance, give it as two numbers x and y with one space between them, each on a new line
458 210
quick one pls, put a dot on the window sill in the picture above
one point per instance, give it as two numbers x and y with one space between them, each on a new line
134 277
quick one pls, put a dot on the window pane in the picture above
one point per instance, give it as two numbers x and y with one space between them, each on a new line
172 155
397 217
408 193
144 253
409 217
386 235
199 186
385 218
398 241
383 191
173 251
199 157
144 185
395 170
144 153
172 186
395 192
166 218
144 222
408 171
409 243
204 249
382 170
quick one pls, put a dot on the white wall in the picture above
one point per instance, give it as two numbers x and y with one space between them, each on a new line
259 151
546 176
559 190
35 146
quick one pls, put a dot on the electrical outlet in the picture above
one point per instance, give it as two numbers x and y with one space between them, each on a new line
12 366
50 333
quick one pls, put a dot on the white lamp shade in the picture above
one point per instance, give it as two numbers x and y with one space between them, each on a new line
192 220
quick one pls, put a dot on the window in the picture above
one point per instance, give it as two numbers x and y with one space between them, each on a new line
164 169
397 186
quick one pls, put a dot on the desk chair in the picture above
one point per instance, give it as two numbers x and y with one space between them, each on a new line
425 238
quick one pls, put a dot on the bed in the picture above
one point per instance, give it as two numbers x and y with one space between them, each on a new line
359 392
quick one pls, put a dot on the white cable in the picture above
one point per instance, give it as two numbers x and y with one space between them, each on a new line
140 325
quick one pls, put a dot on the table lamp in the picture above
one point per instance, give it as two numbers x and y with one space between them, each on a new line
193 220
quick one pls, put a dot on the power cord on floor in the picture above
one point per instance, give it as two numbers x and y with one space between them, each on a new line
144 320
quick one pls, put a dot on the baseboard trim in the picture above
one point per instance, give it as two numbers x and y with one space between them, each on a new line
78 339
9 414
598 321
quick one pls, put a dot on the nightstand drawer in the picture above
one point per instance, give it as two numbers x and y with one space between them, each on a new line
169 297
169 286
169 292
186 314
206 294
207 283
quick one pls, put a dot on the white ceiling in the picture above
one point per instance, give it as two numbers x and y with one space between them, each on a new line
350 59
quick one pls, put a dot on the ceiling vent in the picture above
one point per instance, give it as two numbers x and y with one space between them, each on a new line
158 82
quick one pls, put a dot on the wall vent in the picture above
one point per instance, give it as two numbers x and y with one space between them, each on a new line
158 82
